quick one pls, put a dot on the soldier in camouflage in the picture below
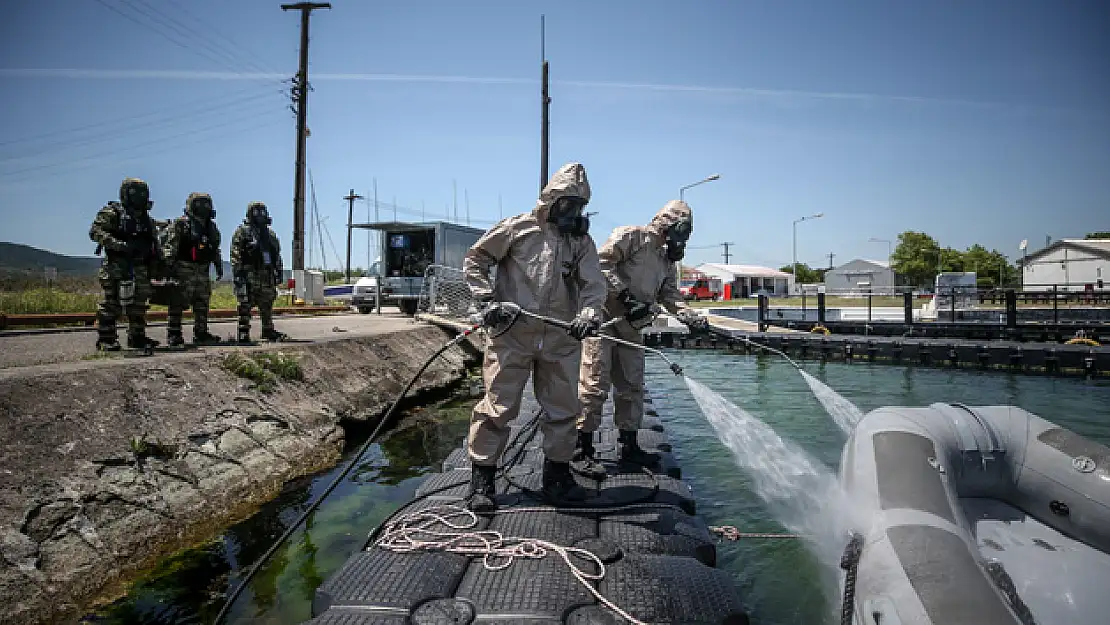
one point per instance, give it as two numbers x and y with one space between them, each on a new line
256 268
126 234
192 244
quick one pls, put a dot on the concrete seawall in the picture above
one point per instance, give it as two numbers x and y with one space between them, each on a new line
106 466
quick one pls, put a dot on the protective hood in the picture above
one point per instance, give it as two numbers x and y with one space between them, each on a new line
190 205
569 180
672 213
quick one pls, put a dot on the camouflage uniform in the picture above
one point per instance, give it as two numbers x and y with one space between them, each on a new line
256 266
192 244
127 235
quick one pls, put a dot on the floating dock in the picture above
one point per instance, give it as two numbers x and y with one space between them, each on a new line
658 557
1011 356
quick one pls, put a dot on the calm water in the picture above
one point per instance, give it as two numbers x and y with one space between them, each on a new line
781 580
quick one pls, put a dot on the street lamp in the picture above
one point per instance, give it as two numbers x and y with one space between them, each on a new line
682 191
887 241
682 196
795 226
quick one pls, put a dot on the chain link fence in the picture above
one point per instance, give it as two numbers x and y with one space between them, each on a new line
445 293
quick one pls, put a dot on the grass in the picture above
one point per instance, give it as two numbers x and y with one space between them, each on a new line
85 298
264 369
44 301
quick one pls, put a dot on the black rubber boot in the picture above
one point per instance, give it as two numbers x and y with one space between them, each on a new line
482 490
584 463
631 451
273 335
174 339
204 337
141 341
108 345
559 486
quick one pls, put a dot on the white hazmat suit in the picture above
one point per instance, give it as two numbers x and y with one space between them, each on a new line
637 268
551 273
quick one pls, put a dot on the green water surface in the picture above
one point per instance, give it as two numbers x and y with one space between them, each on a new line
780 581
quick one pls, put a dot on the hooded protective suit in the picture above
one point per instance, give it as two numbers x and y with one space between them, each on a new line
548 273
633 259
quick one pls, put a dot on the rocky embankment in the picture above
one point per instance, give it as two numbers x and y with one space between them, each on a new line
106 466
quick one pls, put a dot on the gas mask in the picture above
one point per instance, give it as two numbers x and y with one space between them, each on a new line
134 195
200 208
566 214
257 215
677 235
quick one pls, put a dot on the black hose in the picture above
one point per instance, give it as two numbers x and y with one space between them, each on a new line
339 478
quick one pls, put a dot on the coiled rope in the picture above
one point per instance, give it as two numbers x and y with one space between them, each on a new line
418 531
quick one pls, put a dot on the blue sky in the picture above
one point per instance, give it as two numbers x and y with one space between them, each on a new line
974 121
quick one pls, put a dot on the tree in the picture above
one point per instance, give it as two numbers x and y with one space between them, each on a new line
1097 235
806 274
916 257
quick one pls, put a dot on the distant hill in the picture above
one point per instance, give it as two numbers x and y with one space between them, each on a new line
16 258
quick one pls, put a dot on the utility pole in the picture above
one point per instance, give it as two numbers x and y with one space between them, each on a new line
726 254
351 197
300 100
500 211
831 255
394 208
466 201
545 105
455 198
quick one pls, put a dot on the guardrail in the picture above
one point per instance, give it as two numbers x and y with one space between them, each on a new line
8 322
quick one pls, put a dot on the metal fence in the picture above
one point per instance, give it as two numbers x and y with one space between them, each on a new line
445 293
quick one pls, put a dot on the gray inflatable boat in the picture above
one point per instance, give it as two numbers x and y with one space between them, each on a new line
977 515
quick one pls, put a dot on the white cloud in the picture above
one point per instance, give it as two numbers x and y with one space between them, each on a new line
774 94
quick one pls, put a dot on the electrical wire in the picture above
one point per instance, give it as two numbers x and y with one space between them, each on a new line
231 43
54 146
217 42
93 161
126 120
146 26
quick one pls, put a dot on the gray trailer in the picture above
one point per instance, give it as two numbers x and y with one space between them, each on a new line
408 249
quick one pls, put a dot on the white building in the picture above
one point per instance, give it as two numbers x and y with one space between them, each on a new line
861 276
1072 264
750 280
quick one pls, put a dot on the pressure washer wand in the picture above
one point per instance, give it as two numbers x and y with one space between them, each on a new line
566 326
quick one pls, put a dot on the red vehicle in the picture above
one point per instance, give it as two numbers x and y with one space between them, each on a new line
701 288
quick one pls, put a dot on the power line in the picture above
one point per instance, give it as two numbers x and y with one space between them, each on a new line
165 120
127 120
157 142
146 154
230 44
188 34
173 40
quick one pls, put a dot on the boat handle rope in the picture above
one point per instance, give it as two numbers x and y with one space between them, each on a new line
850 563
729 532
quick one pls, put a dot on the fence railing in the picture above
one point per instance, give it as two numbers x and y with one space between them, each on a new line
446 293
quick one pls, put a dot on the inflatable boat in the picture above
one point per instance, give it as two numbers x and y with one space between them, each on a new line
975 515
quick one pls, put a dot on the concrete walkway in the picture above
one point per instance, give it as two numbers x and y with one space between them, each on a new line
731 324
69 345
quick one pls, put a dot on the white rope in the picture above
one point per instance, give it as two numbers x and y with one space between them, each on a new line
414 532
